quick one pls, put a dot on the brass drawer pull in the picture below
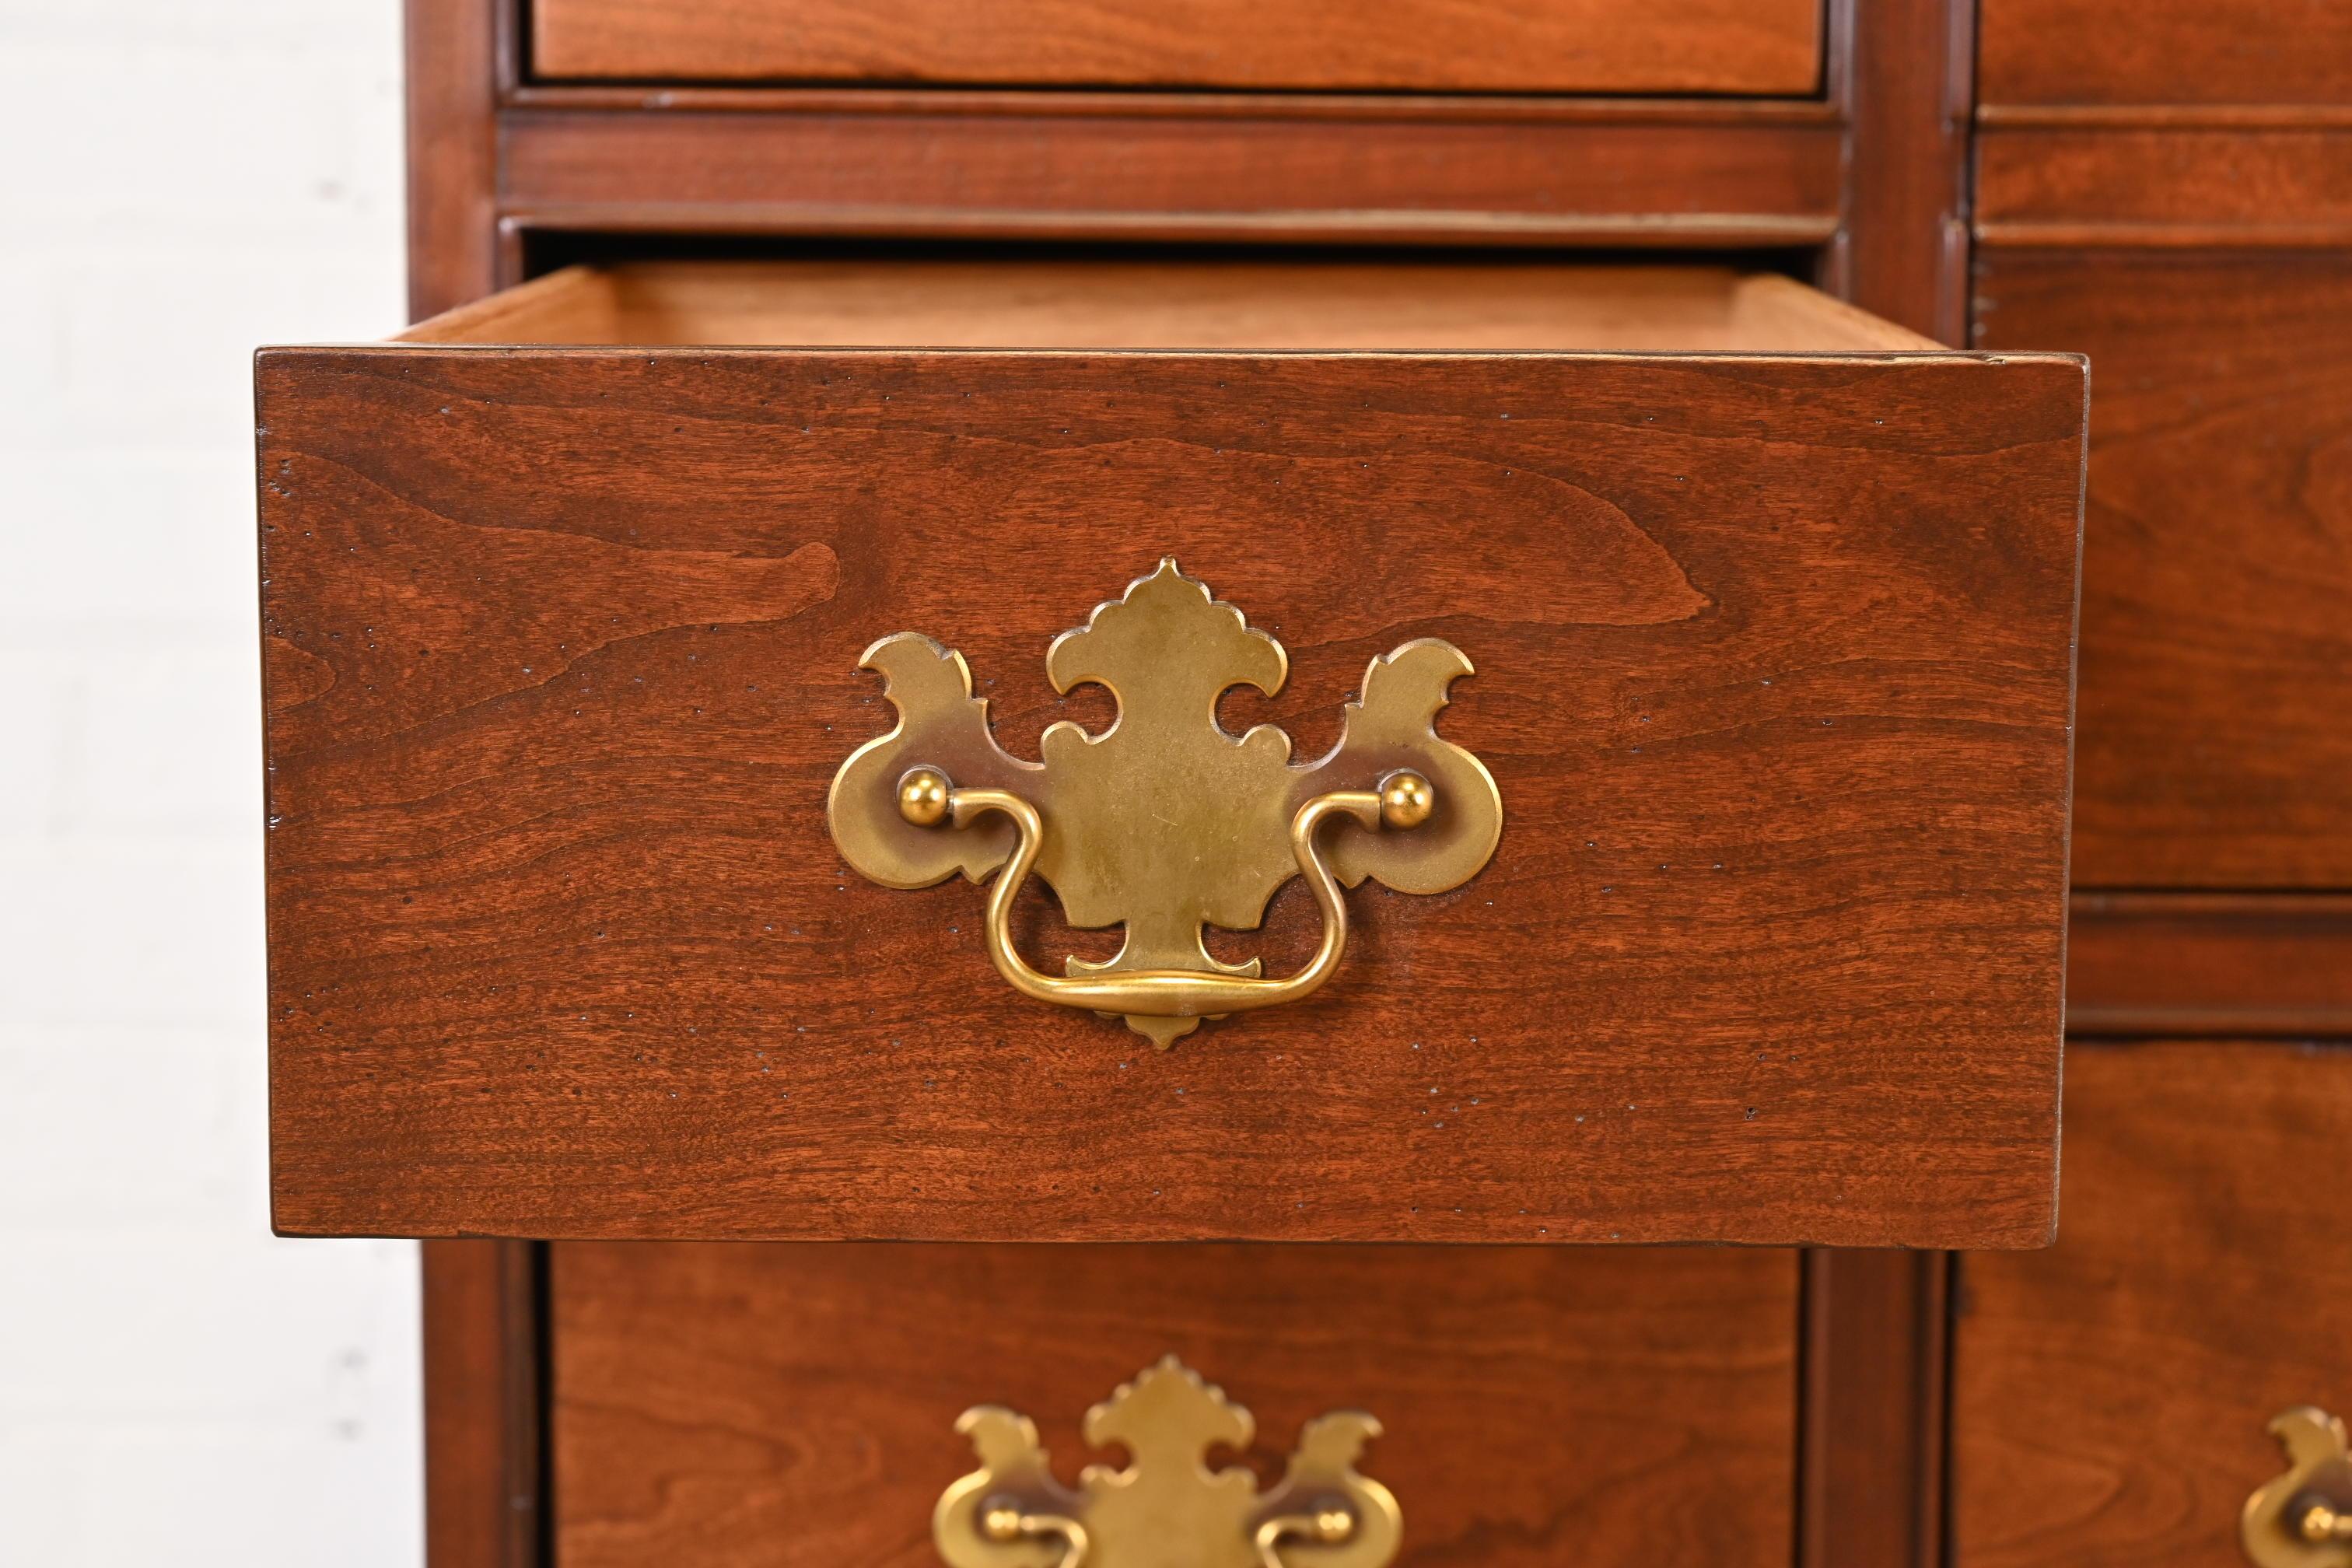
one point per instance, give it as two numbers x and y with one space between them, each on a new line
1167 1505
1404 800
2303 1518
1165 823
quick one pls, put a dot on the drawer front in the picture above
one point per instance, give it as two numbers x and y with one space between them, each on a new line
790 1405
2217 667
2136 53
1772 664
2112 1395
1767 46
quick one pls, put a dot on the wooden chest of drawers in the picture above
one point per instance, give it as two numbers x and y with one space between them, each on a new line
766 331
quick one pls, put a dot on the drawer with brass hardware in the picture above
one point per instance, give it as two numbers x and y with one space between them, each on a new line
1538 752
2155 1388
798 1406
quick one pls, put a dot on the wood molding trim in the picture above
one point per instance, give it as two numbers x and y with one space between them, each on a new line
2161 116
453 49
1508 109
1870 1422
485 1503
1904 249
2240 186
2250 965
1149 176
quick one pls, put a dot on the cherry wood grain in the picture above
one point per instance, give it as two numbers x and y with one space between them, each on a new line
2144 52
2216 662
1167 304
560 650
784 1406
2112 1393
1564 46
1376 175
2237 187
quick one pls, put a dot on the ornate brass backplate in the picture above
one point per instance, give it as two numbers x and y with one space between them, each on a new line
2303 1518
1166 1509
1164 821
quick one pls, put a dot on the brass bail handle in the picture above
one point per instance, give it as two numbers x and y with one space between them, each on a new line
1404 801
1004 1523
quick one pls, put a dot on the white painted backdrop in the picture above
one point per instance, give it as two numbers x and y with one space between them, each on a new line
180 181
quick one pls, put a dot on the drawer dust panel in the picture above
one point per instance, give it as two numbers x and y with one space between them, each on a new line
1768 47
794 1406
1774 660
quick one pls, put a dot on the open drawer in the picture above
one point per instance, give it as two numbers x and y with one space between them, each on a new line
1771 609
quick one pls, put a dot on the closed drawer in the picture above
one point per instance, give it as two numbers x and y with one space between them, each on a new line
1762 47
2112 1397
2036 53
795 1406
1772 674
2216 666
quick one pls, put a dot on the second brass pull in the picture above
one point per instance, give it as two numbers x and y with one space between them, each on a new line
927 797
1166 1505
2303 1519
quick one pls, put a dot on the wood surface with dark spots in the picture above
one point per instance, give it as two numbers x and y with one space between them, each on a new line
2112 1395
1773 663
795 1405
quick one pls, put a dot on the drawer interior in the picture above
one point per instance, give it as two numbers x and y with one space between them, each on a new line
1429 306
